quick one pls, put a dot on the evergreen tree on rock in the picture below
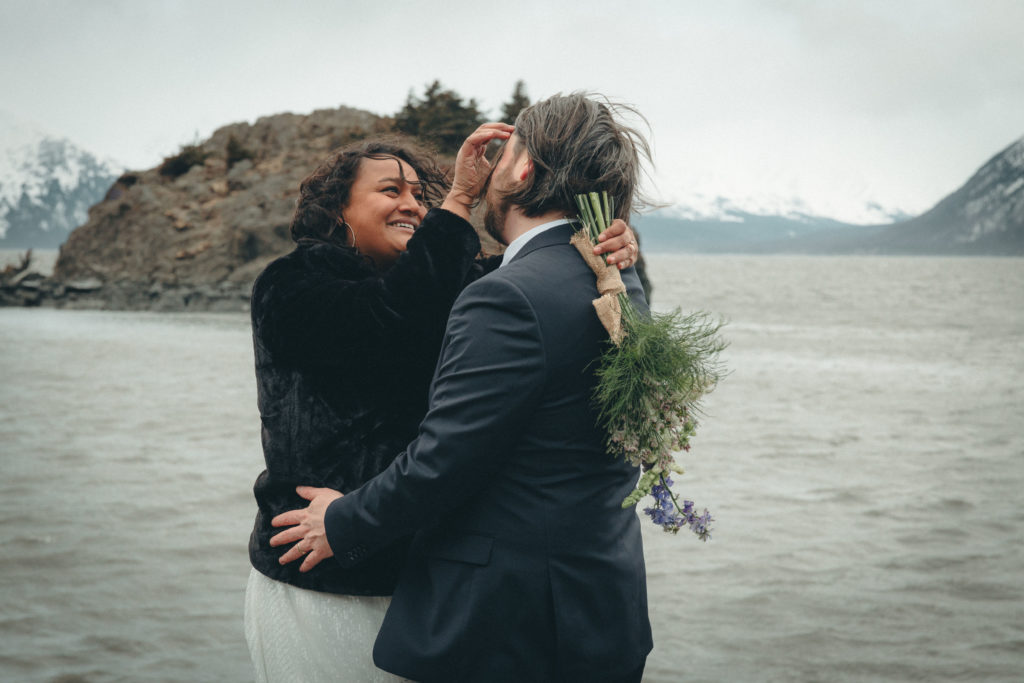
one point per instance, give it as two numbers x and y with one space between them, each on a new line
440 117
520 101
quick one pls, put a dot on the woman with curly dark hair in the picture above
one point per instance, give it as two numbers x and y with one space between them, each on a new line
347 330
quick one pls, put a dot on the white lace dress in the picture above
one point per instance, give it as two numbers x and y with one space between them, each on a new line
303 636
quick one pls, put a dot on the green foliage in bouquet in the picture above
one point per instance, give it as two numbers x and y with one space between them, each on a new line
441 116
650 386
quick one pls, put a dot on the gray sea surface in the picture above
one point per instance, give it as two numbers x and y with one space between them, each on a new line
864 461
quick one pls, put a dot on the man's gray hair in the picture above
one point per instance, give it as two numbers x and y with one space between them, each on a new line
577 145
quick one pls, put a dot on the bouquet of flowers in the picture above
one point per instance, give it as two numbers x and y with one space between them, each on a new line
651 379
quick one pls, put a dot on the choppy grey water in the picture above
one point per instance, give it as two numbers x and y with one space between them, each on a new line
865 462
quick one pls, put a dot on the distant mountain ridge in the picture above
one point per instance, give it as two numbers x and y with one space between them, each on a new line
856 210
193 232
47 185
983 217
739 231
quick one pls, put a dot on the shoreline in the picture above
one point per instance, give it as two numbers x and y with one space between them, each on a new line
30 289
32 284
26 280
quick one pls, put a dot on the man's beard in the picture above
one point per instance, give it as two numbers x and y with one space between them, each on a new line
494 218
497 209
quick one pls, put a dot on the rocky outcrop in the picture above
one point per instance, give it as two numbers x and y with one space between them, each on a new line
983 217
194 233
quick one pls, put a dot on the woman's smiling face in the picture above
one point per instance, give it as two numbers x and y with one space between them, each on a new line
385 206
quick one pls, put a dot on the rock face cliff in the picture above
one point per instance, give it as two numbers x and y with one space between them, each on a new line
983 217
195 232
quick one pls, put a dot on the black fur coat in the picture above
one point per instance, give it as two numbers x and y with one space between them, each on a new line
344 358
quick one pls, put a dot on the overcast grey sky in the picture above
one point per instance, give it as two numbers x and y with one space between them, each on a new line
836 102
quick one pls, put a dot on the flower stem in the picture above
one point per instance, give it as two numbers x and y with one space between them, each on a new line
675 501
626 306
602 221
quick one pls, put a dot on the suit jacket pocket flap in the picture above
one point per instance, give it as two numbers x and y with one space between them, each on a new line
469 548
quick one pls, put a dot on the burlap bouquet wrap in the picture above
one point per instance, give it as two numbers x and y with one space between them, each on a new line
609 286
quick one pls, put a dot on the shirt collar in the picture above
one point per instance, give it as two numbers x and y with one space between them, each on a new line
518 243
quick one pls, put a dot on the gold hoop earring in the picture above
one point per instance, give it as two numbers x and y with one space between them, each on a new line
349 228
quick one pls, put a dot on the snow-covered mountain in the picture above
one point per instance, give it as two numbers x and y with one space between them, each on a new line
718 224
983 217
701 221
47 185
703 207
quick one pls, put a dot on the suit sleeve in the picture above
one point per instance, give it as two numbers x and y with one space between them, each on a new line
489 377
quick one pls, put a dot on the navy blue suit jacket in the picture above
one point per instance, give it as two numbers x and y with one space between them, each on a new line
525 566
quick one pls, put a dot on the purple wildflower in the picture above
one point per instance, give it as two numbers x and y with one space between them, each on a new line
667 513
